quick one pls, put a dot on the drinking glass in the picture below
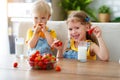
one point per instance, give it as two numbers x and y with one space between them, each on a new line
82 51
19 47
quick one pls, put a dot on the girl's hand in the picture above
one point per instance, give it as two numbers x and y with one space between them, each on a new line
97 32
57 44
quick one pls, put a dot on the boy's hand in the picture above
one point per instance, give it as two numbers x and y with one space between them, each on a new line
37 29
57 44
40 27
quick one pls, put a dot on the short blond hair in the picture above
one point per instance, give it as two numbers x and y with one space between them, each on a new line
42 7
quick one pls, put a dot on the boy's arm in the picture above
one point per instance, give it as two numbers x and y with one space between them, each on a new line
33 41
50 36
32 38
61 51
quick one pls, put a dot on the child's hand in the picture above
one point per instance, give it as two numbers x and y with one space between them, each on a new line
57 44
37 29
97 32
40 27
43 27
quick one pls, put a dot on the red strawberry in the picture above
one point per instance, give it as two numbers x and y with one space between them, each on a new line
33 56
37 53
40 63
15 64
36 59
59 43
57 68
31 59
40 24
90 31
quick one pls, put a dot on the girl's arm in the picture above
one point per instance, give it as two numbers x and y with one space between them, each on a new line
100 50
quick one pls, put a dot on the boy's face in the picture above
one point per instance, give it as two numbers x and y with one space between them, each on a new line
40 19
77 31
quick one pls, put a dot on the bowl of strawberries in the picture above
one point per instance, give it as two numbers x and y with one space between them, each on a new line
42 62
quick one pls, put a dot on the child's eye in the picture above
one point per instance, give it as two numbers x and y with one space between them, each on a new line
77 27
35 17
43 18
70 29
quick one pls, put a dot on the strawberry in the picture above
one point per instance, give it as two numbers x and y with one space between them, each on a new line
90 31
40 63
59 43
37 53
31 59
33 56
40 24
57 68
15 64
44 62
36 59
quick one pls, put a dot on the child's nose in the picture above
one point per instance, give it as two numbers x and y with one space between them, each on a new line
39 20
73 31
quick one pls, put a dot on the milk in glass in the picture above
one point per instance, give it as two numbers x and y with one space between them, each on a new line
82 51
19 47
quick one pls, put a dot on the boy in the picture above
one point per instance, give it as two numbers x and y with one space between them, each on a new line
40 37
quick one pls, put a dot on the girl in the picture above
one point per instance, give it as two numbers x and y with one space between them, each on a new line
78 26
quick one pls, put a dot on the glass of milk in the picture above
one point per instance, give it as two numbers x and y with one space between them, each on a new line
82 51
19 47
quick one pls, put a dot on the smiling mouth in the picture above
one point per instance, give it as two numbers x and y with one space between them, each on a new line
76 36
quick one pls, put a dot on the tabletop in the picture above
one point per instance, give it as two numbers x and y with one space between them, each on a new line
70 70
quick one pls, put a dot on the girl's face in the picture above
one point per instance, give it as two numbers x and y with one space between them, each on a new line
37 18
77 31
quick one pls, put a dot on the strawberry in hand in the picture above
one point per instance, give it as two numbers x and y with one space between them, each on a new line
59 43
41 24
90 31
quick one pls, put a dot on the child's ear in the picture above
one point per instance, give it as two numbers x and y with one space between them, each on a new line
88 27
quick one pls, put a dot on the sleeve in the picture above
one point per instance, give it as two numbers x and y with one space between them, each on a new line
53 33
89 56
29 35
